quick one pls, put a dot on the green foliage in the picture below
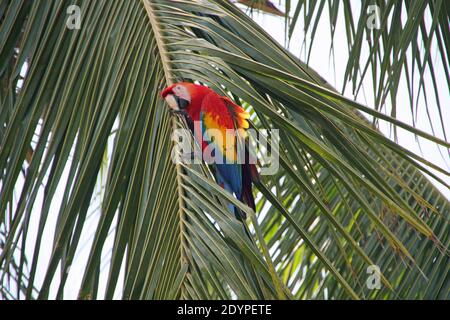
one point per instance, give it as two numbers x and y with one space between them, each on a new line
345 196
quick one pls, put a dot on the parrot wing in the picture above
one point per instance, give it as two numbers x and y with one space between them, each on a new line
217 115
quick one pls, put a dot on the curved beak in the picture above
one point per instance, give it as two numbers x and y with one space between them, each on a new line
175 102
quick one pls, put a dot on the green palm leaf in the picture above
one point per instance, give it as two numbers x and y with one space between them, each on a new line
86 126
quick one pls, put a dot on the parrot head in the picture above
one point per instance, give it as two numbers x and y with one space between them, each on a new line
184 95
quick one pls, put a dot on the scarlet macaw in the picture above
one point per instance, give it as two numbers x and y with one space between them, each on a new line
201 105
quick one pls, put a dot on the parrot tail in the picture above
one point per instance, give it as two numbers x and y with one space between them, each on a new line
245 197
249 175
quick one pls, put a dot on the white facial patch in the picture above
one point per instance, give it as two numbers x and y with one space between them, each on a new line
172 102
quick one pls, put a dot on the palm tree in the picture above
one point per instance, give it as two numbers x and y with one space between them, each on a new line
86 148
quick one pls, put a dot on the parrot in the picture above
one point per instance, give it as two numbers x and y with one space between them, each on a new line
205 109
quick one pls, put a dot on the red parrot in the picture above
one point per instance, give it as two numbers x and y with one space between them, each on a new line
208 110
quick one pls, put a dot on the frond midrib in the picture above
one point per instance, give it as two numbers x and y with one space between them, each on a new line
165 62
